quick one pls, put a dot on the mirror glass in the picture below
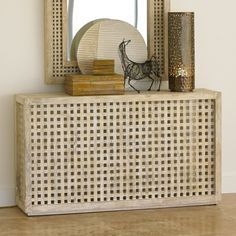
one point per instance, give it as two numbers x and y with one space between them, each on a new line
80 12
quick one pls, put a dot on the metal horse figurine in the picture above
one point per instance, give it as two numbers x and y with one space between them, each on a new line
139 71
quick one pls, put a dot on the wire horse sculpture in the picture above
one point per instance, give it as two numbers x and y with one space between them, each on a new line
138 71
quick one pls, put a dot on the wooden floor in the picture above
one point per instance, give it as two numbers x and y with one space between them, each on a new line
189 221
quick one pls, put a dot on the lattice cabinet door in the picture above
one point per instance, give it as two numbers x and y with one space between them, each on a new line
102 153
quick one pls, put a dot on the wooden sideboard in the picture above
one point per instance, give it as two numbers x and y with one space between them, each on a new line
117 152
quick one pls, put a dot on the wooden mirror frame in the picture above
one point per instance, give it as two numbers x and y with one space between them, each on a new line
56 63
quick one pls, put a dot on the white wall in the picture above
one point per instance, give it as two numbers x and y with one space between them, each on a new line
22 70
215 34
21 64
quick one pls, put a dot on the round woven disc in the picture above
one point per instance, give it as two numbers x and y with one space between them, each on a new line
78 36
101 41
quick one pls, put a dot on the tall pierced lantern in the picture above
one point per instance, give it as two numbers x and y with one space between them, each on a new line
181 51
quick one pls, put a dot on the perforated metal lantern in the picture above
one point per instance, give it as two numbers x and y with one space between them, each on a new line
181 51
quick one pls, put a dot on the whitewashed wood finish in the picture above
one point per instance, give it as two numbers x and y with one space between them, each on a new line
56 64
119 152
218 147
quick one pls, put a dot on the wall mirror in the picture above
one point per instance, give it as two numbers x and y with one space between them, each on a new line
63 19
132 11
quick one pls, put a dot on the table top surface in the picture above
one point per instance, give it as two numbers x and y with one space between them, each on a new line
128 96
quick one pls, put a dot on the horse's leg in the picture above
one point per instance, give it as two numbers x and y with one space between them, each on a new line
159 87
160 80
156 73
132 86
151 83
125 77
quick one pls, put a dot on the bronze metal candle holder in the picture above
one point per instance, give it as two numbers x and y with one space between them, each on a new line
181 51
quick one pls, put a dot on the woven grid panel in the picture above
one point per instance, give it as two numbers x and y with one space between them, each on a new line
20 175
60 70
159 33
117 151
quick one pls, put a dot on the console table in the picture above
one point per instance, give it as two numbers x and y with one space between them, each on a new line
117 152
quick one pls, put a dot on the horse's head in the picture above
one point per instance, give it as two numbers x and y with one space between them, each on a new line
124 43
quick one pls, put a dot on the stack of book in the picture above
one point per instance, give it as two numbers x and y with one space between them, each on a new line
103 81
103 67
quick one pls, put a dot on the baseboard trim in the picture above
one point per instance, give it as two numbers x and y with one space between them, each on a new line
7 197
229 182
